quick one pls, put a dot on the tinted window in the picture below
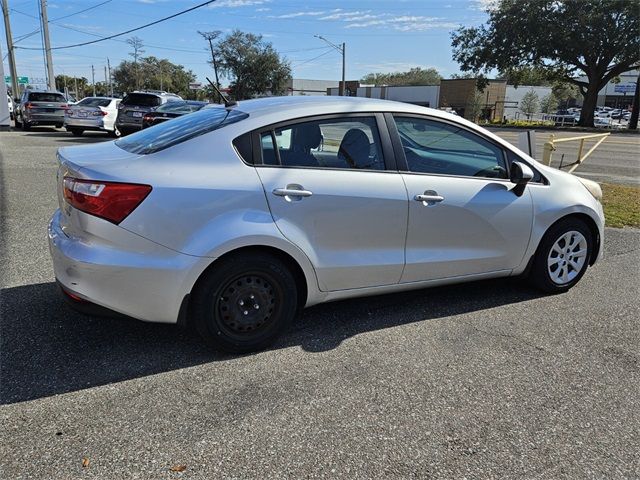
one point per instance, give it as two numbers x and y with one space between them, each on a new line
142 100
442 148
178 130
94 102
352 143
46 97
180 107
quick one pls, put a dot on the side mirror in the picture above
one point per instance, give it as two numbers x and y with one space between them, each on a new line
521 174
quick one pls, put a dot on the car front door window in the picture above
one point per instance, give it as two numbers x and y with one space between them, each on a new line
442 148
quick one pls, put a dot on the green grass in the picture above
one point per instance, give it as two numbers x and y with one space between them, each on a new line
621 205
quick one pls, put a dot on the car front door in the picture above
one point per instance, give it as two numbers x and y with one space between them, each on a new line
333 193
464 218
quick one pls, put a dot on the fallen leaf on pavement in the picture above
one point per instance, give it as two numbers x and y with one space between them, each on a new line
85 462
178 468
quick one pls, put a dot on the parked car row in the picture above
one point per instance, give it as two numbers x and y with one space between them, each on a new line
137 110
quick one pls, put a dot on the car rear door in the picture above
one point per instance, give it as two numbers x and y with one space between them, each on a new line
464 218
333 191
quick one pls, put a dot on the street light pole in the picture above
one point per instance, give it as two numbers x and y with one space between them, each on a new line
342 91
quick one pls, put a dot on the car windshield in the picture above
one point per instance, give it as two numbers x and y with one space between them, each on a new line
178 130
180 107
46 97
94 102
142 100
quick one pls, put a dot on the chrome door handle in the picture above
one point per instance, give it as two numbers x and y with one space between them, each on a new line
429 198
291 192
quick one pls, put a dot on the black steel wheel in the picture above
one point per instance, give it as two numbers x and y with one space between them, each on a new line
243 303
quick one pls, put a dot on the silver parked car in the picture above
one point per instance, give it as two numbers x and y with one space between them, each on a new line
40 108
92 113
236 218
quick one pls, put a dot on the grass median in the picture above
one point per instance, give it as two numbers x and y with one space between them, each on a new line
621 205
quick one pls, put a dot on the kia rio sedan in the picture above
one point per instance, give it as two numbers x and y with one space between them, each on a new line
234 219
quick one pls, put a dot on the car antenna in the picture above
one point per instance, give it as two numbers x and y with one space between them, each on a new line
227 103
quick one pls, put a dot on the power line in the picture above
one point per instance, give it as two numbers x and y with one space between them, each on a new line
329 50
130 30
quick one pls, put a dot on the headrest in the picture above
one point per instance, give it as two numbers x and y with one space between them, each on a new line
307 135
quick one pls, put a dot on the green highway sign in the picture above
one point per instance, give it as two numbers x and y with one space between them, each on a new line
21 80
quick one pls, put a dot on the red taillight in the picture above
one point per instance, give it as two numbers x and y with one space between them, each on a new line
109 200
28 105
147 118
64 106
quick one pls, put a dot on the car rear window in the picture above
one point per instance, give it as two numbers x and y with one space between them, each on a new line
94 102
46 97
180 107
178 130
142 100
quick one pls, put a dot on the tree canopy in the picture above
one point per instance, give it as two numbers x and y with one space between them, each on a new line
154 73
415 76
252 65
564 39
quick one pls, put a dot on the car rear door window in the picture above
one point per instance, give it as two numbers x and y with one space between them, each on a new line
442 148
345 143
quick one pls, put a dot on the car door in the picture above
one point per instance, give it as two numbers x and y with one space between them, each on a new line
464 218
334 193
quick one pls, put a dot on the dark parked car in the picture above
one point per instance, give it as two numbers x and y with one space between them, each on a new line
134 106
171 110
40 108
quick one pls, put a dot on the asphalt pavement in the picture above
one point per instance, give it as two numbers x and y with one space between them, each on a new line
477 381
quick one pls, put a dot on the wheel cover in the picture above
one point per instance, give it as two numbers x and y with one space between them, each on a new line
247 304
567 257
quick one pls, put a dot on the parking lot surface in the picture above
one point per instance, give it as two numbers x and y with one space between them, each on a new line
477 381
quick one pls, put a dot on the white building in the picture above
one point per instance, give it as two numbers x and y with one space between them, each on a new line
423 95
303 86
513 97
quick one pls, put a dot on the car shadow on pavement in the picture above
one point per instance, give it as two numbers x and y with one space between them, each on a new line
60 136
46 348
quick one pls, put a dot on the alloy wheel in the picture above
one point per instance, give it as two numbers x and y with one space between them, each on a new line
567 257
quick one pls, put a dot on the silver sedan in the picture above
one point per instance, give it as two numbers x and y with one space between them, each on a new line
234 219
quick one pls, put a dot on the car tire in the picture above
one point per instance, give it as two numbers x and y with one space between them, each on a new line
243 303
17 122
25 126
76 131
562 257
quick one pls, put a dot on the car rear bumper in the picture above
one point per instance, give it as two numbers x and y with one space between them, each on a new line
135 277
45 119
86 123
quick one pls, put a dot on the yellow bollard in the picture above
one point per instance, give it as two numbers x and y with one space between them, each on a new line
548 150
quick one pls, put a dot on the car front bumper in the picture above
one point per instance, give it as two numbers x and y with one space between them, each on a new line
129 275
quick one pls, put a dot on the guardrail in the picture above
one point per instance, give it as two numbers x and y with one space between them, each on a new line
550 147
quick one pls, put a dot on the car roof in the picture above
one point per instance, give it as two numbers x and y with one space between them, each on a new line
277 109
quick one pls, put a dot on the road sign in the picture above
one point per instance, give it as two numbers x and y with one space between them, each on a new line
195 86
21 80
625 88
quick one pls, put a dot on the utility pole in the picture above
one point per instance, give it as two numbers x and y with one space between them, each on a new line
106 81
11 50
75 81
342 91
47 45
211 36
93 79
110 84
